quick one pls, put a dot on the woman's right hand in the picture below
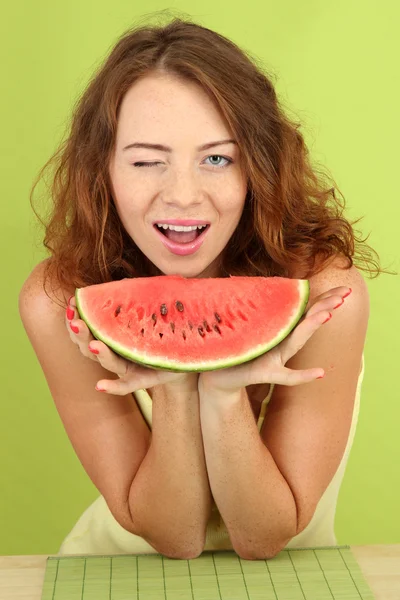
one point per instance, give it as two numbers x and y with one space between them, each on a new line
132 376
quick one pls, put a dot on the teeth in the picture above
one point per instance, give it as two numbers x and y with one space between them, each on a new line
179 227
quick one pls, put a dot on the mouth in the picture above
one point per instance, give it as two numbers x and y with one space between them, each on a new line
182 242
182 237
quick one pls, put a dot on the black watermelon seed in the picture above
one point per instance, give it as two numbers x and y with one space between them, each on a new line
217 317
172 325
163 309
206 326
129 324
142 331
190 325
201 331
184 335
117 310
179 306
216 328
160 334
154 317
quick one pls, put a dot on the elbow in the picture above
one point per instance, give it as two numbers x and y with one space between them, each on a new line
254 554
260 553
175 549
181 553
170 545
166 547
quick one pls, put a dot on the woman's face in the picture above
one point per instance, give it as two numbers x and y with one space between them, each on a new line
185 183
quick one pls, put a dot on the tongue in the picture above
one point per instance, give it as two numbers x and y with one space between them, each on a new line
182 237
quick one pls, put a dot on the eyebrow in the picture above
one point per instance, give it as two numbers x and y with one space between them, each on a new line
168 149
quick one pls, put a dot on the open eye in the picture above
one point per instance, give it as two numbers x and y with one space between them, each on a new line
229 160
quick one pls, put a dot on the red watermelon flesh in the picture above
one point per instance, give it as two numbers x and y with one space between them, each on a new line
188 324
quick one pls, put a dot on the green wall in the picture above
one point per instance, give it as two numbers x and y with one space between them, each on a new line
337 68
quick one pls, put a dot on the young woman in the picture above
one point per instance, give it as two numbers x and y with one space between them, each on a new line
180 127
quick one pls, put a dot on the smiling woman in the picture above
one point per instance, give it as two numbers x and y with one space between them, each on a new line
164 139
182 183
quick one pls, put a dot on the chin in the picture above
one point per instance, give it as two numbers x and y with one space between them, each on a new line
189 270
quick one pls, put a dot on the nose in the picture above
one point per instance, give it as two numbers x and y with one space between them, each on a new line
183 188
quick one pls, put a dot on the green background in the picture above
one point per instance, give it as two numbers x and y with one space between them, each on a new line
337 68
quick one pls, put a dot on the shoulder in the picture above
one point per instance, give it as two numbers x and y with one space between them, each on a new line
337 273
355 311
34 302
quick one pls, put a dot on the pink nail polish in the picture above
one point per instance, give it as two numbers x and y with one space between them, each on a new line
74 329
321 376
94 350
330 316
348 294
100 389
70 313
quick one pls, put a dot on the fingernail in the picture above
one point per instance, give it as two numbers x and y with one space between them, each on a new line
94 350
74 329
348 293
70 313
99 389
337 306
321 376
330 316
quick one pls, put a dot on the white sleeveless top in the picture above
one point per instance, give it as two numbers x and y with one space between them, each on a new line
97 531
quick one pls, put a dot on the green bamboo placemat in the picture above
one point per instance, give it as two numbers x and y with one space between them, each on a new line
299 574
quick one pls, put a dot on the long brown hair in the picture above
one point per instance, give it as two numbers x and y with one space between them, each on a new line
292 214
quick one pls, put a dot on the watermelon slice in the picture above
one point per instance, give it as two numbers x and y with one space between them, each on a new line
188 324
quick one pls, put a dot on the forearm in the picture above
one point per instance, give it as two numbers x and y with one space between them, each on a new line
252 496
170 498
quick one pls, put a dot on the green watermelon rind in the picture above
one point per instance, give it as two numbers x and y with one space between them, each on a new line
198 367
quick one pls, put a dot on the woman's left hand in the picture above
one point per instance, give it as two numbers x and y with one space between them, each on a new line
270 367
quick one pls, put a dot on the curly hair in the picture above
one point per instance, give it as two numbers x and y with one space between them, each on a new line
292 219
